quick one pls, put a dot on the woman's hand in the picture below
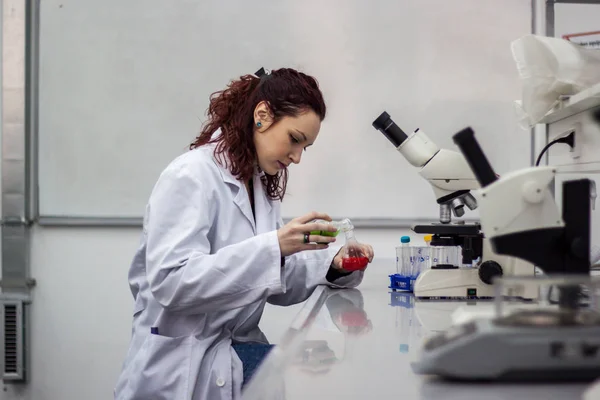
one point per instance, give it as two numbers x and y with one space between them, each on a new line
293 235
364 249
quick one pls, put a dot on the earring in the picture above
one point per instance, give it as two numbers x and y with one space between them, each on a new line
258 124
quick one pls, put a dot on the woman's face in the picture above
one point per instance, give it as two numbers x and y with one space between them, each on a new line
278 144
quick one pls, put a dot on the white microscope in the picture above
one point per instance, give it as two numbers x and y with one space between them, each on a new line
557 342
452 180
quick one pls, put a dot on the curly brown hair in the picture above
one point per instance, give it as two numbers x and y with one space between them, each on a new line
286 91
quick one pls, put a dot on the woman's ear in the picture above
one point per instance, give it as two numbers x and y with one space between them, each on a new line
263 117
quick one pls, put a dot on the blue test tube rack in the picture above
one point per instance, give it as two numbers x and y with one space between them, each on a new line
402 282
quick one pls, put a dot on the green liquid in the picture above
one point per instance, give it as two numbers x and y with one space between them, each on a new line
325 233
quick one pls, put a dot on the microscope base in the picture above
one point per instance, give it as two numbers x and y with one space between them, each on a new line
459 283
497 350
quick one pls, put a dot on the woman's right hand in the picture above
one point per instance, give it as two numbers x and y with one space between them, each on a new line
291 235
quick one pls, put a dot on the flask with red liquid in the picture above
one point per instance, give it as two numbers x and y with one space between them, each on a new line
354 258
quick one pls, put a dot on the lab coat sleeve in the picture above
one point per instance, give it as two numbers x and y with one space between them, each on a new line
182 273
304 271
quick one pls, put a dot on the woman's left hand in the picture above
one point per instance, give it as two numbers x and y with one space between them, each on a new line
365 249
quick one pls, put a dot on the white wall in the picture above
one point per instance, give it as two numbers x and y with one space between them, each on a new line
81 310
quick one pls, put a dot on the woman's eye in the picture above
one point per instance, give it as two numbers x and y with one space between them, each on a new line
294 139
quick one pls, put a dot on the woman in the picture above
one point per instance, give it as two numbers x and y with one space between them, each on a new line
214 250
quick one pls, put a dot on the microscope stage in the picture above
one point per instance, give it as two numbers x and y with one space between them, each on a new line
449 229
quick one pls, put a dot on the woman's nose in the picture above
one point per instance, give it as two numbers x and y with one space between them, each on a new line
295 156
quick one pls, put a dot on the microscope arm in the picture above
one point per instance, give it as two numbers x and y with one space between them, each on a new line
520 218
448 173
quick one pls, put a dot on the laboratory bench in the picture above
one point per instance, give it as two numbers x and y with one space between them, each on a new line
360 343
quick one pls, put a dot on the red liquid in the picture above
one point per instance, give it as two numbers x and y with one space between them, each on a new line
354 263
354 318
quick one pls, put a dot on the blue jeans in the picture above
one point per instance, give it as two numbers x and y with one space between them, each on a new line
251 354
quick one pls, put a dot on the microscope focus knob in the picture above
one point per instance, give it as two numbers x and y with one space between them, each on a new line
488 270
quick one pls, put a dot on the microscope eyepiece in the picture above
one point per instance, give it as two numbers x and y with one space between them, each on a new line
468 145
388 127
382 121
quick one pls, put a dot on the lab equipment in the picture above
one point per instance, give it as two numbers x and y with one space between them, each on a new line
403 256
555 341
476 266
403 279
551 69
427 239
519 214
445 170
339 225
353 259
410 261
452 181
445 257
421 260
546 343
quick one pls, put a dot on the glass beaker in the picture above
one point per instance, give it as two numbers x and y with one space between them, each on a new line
445 256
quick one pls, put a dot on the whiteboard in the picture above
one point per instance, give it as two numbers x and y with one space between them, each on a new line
124 86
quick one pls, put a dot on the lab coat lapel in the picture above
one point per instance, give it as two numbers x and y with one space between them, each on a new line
262 207
241 199
262 204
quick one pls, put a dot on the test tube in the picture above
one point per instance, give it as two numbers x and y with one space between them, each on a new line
403 256
421 260
427 239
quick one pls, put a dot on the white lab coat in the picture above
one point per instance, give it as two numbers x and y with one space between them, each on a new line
202 275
